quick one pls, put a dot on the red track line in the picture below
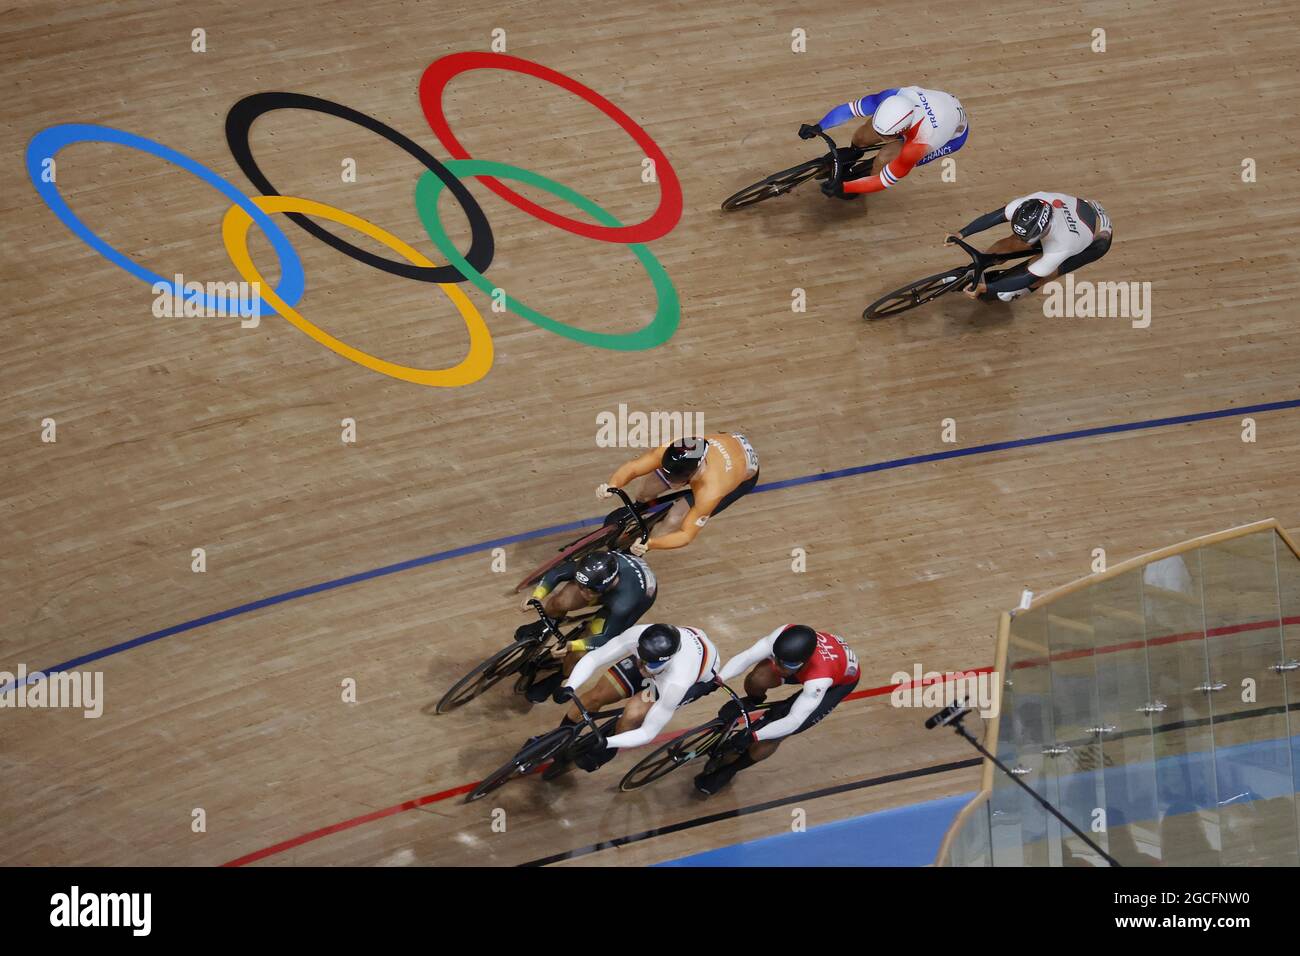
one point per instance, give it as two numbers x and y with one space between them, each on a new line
463 788
1156 641
856 695
349 824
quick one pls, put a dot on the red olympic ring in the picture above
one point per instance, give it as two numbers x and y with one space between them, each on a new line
441 71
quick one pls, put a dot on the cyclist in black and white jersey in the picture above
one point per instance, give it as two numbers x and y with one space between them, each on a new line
1067 231
671 666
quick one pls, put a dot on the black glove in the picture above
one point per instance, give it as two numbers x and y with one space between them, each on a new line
739 742
594 757
530 632
563 694
833 189
808 132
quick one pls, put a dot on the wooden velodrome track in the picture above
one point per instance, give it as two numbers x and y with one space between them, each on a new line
175 434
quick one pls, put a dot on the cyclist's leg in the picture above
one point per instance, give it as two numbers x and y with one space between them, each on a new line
565 599
762 678
1096 249
652 486
672 521
635 707
1016 270
865 136
888 153
617 683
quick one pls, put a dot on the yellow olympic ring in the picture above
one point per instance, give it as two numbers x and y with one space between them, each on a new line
234 232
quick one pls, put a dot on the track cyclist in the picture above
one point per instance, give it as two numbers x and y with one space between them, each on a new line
621 585
674 665
917 125
1068 231
720 469
792 654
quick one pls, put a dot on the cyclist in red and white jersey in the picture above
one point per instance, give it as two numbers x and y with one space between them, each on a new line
1069 232
916 125
792 654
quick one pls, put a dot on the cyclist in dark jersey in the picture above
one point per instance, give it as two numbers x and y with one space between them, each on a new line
621 585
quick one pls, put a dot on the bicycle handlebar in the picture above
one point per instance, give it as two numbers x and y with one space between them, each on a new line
744 712
588 719
836 170
982 260
547 622
628 503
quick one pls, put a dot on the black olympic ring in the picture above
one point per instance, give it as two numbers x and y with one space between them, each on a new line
240 120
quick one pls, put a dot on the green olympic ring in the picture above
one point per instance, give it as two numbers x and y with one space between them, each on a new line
667 314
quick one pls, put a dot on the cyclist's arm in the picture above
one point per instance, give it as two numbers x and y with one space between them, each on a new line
986 221
912 154
656 719
691 525
613 650
564 571
742 662
804 705
641 465
613 618
861 108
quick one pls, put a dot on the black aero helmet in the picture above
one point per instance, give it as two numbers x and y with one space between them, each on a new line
794 646
597 571
683 456
1031 219
657 644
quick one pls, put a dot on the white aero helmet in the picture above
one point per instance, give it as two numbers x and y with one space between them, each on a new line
893 117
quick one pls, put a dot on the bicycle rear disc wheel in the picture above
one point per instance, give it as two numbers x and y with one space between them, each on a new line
677 752
592 541
775 185
917 293
497 667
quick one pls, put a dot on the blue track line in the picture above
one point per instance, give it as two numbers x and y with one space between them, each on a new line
589 522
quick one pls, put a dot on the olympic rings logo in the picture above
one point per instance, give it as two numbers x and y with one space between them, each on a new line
246 211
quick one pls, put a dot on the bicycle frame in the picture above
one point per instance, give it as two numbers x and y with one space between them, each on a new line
980 261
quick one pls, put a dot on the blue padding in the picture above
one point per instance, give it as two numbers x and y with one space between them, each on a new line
906 836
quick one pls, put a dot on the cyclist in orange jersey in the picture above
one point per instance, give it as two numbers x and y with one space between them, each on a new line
720 469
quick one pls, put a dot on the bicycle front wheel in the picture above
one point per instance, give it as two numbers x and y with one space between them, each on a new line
776 184
530 757
917 293
677 752
500 665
